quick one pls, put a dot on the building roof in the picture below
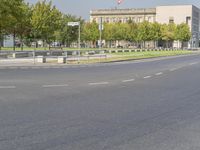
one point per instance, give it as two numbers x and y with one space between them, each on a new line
123 11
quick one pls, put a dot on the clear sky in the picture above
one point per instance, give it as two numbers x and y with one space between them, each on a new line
82 7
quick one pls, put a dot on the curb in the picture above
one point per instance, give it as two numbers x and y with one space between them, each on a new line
53 66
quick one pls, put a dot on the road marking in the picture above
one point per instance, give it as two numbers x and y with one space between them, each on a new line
173 69
7 87
56 67
147 77
35 67
194 63
128 80
58 85
158 74
99 83
24 67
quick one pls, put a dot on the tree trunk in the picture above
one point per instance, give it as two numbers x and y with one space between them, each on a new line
1 39
182 45
167 44
21 42
14 36
49 45
155 44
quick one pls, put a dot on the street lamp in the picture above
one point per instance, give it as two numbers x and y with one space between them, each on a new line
100 30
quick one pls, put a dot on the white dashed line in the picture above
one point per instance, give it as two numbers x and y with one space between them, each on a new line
147 77
35 67
194 63
128 80
173 69
99 83
59 85
24 67
158 74
7 87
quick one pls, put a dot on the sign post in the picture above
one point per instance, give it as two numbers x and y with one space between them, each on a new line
79 35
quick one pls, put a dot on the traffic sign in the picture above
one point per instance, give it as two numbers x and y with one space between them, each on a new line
73 23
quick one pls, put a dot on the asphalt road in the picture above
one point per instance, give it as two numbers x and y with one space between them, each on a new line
144 105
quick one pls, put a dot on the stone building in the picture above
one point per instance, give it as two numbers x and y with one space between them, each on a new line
162 14
123 15
181 14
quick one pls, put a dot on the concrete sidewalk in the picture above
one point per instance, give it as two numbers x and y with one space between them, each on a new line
51 61
26 62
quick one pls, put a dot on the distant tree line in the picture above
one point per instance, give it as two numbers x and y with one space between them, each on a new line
45 22
41 21
138 33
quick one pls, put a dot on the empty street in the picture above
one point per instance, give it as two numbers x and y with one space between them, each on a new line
138 105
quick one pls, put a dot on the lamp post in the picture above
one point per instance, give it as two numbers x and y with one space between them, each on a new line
193 40
100 32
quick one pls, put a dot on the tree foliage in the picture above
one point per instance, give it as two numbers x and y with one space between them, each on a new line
182 32
46 19
10 14
43 21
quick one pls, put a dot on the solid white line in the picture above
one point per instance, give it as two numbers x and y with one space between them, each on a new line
58 85
128 80
98 83
7 87
158 74
147 77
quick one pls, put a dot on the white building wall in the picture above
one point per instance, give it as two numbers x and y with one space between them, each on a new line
180 13
162 14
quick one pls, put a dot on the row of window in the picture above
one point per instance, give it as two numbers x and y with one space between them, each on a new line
139 19
124 20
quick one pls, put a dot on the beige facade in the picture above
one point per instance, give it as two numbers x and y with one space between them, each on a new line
162 14
123 15
181 14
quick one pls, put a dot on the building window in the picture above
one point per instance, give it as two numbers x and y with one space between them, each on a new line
188 19
103 20
94 19
107 20
139 19
119 20
149 19
171 19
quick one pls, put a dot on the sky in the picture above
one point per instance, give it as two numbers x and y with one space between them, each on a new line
81 8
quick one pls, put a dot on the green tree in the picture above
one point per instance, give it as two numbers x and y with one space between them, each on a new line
155 32
23 26
91 32
46 20
121 31
67 34
133 32
144 35
168 33
183 33
108 33
9 15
